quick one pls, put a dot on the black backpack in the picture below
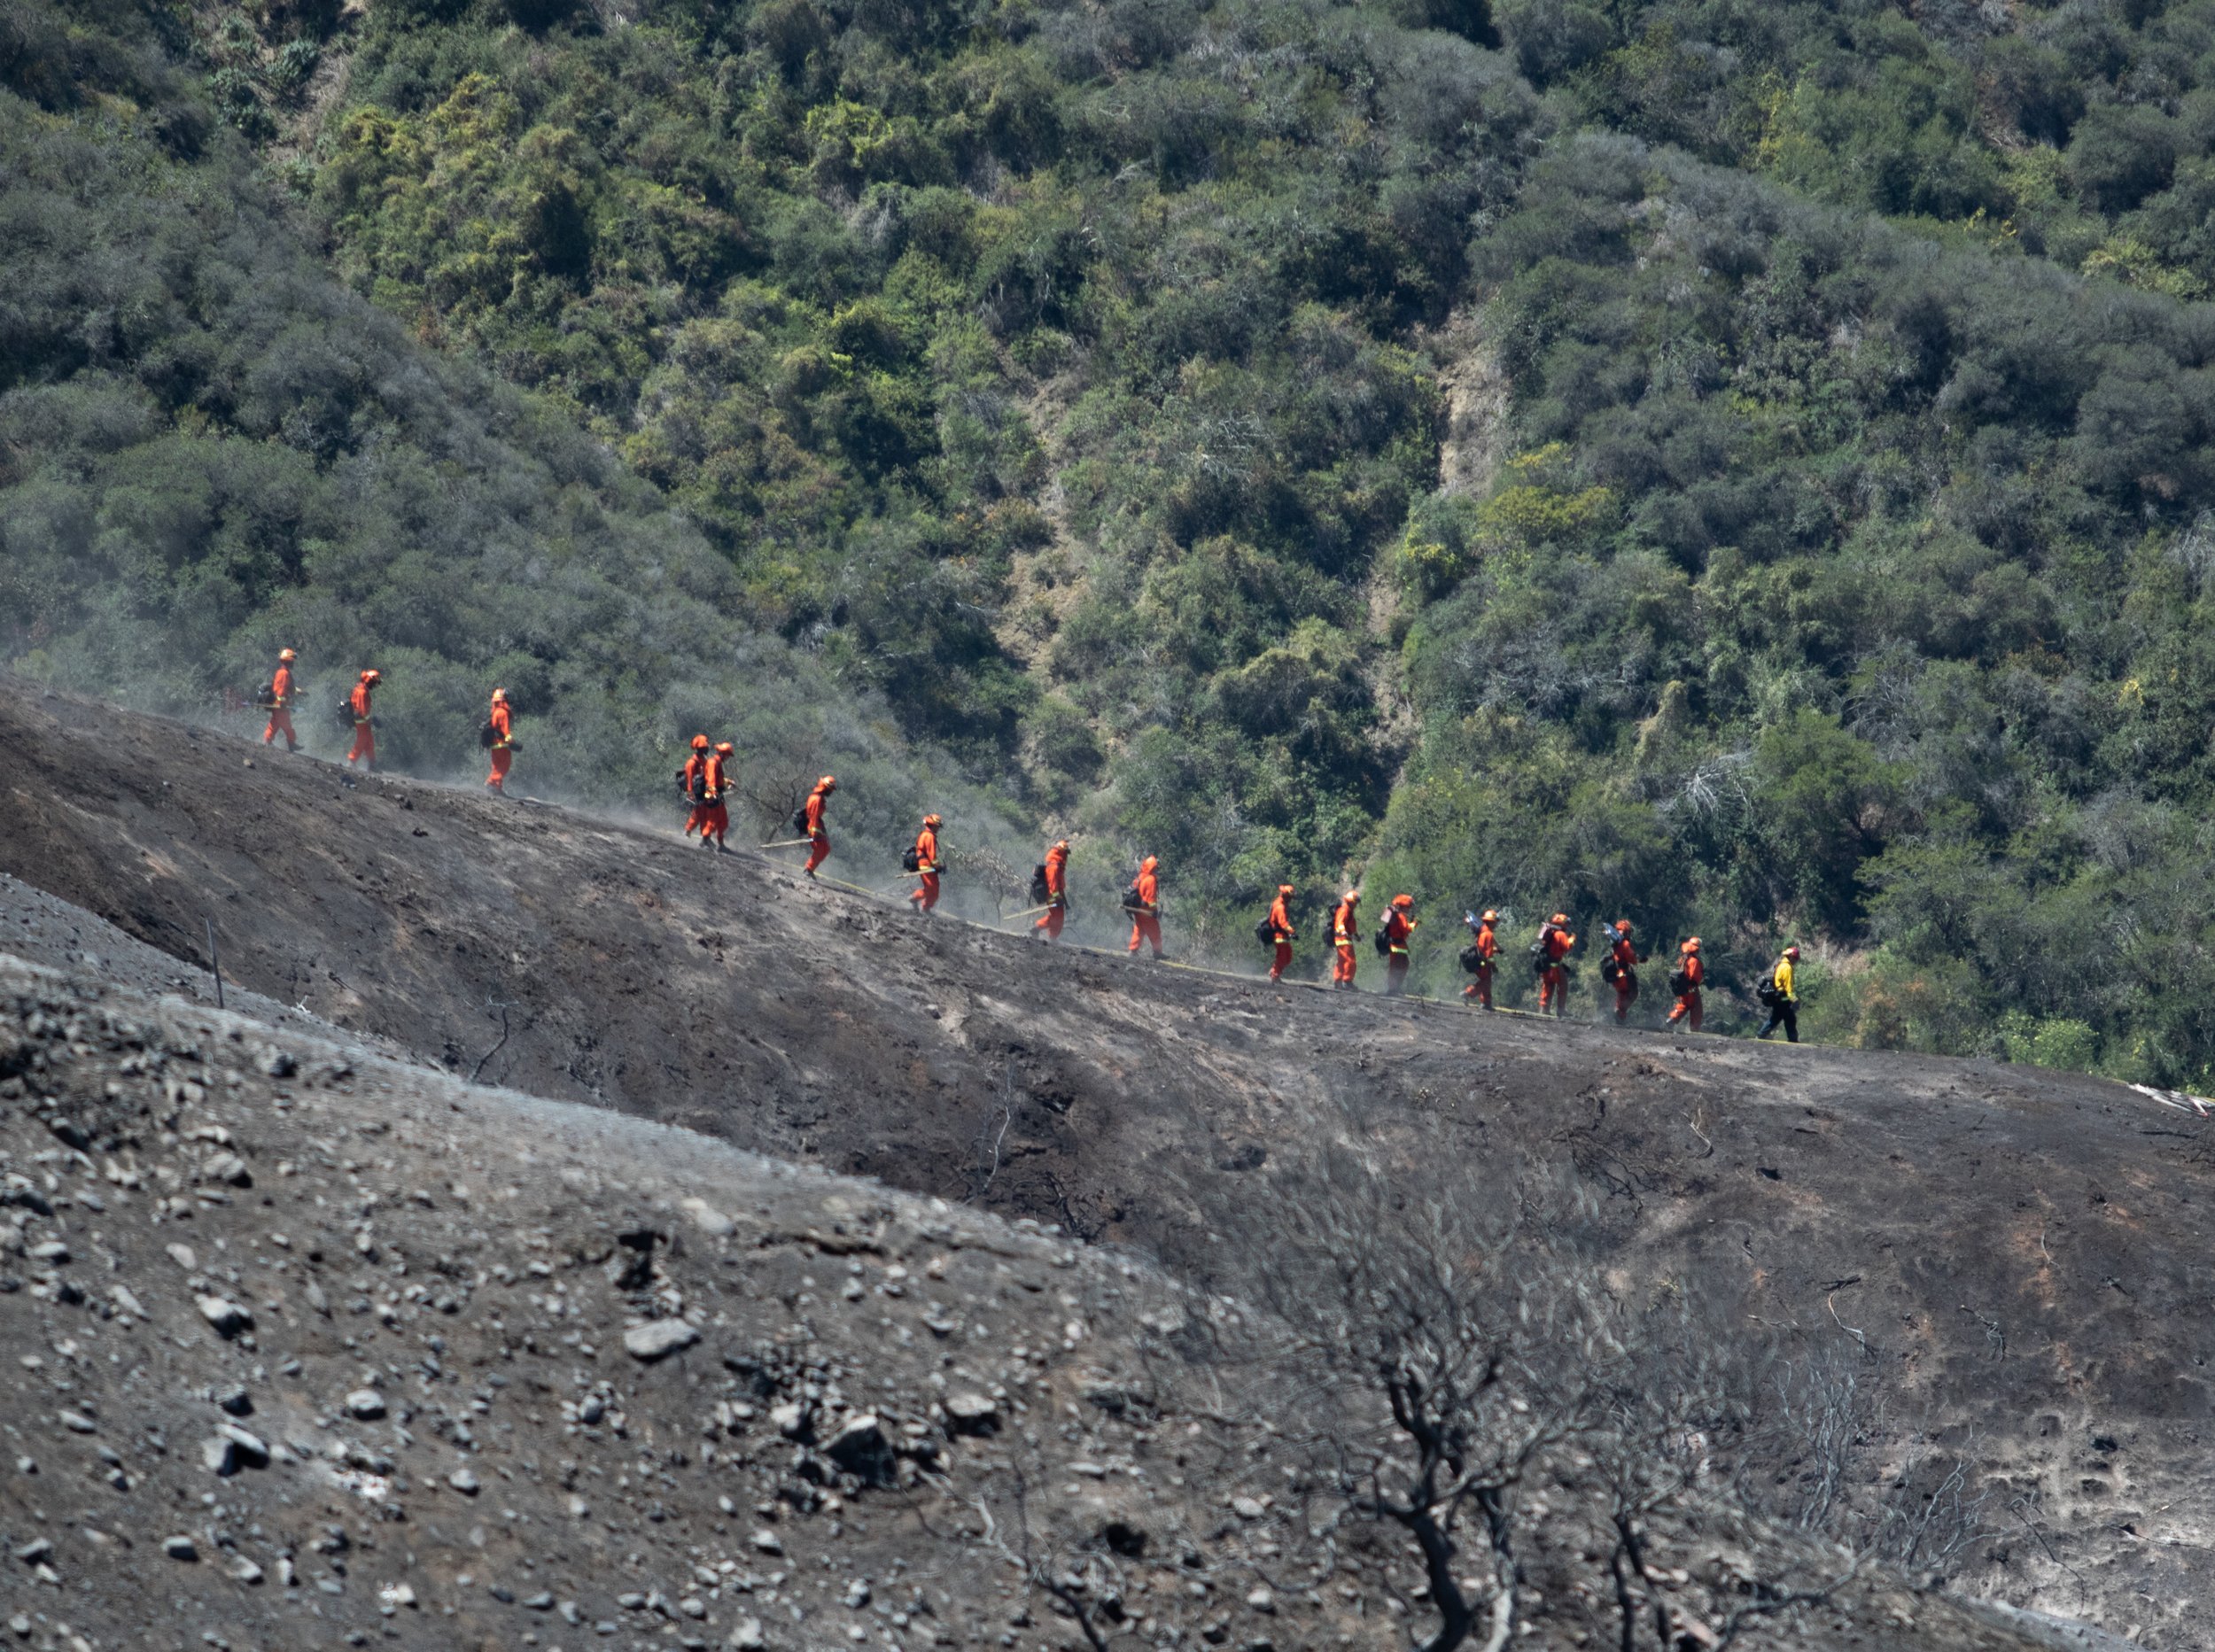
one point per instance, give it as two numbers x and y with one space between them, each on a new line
343 712
1611 968
912 859
486 735
1472 959
1039 893
1265 932
799 818
699 787
1681 982
1384 941
1132 902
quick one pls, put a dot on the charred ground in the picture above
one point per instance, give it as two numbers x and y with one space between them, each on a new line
2011 1257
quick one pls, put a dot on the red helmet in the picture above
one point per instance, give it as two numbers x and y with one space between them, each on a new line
1622 926
699 743
1791 951
724 748
372 677
1148 864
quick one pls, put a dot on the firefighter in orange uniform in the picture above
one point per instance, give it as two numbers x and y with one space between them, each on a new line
1488 949
692 785
503 741
818 827
1146 916
1280 931
1057 891
364 729
1346 937
1400 924
927 864
715 790
1623 974
281 704
1691 974
1554 942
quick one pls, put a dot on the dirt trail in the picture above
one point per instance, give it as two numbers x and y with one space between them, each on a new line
2016 1256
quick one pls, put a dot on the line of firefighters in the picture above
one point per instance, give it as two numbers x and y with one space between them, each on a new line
358 712
704 781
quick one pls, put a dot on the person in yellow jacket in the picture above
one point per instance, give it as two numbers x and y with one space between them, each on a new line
1782 1000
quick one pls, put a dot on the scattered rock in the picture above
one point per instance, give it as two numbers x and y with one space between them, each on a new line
709 1220
77 1422
179 1549
746 1635
972 1414
251 1450
236 1401
1248 1508
859 1448
658 1338
226 1317
789 1419
246 1571
464 1482
768 1542
365 1405
1262 1600
34 1551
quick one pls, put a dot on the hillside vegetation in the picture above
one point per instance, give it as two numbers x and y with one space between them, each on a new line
1074 378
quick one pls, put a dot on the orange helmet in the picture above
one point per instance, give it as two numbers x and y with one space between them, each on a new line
1353 897
1062 844
372 677
828 783
499 696
1622 926
699 743
1558 918
1148 864
1791 951
932 821
724 749
1490 917
287 655
1403 900
1690 946
1283 888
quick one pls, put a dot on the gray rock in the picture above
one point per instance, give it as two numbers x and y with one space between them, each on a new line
34 1551
709 1220
464 1482
252 1450
77 1422
788 1419
768 1542
228 1317
219 1456
228 1168
972 1414
658 1338
246 1571
236 1401
859 1448
183 1256
692 1606
590 1409
365 1404
52 1252
746 1635
179 1549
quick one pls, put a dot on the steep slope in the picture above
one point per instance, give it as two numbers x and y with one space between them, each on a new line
2007 1254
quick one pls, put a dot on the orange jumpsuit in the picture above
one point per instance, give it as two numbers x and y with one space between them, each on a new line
364 732
1146 923
817 833
715 814
1626 977
1346 936
1282 931
281 710
1057 894
503 747
1553 978
1687 1008
927 869
1487 945
695 770
1398 927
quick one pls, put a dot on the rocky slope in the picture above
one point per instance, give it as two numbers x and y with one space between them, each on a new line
2009 1257
312 1347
